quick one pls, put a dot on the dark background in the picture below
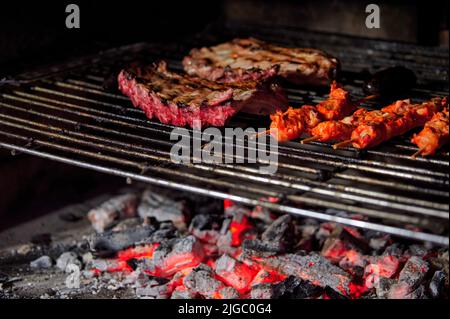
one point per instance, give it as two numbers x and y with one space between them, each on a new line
35 30
33 33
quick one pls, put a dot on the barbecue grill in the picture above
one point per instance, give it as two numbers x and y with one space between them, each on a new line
64 114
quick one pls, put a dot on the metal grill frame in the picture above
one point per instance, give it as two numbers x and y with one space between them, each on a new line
65 115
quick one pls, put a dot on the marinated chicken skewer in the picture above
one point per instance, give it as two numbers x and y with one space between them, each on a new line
396 120
342 130
433 136
336 130
292 123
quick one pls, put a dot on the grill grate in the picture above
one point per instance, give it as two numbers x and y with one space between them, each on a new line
68 117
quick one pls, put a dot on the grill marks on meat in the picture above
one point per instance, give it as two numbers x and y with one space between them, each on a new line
180 99
252 59
174 99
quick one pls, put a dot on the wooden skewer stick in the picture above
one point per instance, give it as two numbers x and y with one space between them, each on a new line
342 144
205 145
418 152
368 98
259 134
310 139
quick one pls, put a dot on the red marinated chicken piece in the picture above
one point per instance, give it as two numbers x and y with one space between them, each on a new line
389 125
434 135
289 125
338 130
292 123
334 130
338 104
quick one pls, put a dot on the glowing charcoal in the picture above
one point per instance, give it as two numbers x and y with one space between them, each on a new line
145 251
263 276
110 242
314 268
414 272
202 280
280 233
234 273
238 229
174 255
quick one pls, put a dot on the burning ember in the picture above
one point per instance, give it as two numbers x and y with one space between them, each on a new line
250 253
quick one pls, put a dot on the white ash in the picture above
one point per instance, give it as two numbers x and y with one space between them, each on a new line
379 243
87 258
384 286
229 293
66 259
164 206
110 212
43 262
127 224
183 294
414 272
417 250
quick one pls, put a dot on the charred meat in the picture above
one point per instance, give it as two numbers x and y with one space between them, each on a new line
252 59
184 100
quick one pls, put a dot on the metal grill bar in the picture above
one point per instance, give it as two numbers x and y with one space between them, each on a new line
344 161
70 118
389 197
317 187
414 209
440 240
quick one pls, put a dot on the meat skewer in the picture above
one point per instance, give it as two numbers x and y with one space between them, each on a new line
395 120
433 136
292 123
342 130
336 130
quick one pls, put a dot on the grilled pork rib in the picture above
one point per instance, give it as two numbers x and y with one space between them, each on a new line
180 99
251 59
